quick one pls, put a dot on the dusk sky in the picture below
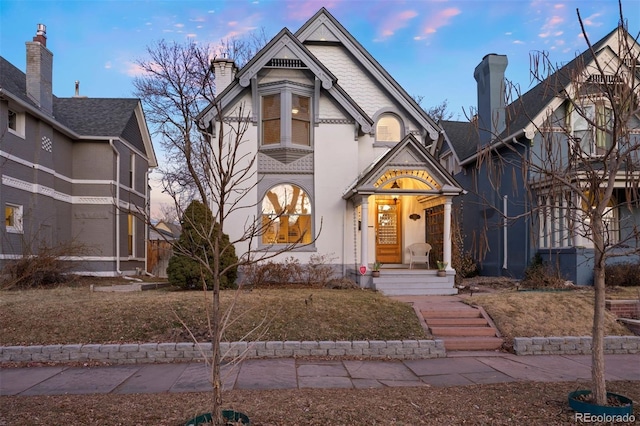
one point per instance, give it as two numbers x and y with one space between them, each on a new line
430 47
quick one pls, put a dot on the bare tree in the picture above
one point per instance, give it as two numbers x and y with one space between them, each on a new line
215 167
438 112
582 169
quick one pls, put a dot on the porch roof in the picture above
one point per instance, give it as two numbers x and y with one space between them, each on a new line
408 159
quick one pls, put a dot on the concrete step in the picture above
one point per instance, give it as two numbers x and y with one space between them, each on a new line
451 313
472 343
439 332
460 322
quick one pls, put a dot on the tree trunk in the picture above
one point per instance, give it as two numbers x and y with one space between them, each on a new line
216 333
599 389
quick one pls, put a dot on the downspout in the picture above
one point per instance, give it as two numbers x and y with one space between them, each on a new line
147 203
117 205
504 232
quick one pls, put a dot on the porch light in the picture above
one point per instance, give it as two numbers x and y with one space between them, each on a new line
395 196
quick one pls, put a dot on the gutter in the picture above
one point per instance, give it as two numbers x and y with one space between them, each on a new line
117 205
496 145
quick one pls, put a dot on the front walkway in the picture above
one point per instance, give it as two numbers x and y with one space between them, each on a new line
462 368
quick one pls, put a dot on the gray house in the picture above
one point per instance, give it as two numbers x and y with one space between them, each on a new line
511 213
74 171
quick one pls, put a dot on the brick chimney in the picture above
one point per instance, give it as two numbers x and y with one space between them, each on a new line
489 75
224 70
40 71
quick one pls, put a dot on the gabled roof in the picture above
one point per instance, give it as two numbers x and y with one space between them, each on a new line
530 107
81 117
407 159
286 46
324 27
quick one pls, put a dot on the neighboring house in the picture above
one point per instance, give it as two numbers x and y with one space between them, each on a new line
74 171
160 247
342 149
509 214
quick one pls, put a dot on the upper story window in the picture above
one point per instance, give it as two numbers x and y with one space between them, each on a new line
592 126
286 116
13 218
388 128
15 122
132 170
286 215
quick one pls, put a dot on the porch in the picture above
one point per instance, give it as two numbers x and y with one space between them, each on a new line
399 280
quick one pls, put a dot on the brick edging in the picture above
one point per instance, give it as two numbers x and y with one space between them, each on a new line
574 345
139 353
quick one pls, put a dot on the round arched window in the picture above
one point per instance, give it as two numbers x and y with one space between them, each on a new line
286 215
388 129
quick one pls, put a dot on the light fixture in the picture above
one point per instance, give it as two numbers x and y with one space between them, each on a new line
395 196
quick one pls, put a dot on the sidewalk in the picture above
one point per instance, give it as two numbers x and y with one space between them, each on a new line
459 368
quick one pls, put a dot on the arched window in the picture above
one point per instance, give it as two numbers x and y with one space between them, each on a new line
388 128
286 215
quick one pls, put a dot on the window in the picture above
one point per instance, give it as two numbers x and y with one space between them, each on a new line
13 218
286 215
286 117
388 129
15 122
130 230
592 127
132 165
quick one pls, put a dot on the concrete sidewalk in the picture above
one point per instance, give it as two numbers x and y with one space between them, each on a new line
461 368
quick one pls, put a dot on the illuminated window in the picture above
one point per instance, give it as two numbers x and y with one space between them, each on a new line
286 117
130 233
388 129
286 215
13 218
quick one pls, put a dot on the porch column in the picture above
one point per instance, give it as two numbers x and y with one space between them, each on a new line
446 246
364 231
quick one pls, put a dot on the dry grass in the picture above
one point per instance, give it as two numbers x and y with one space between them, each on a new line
76 315
544 314
497 404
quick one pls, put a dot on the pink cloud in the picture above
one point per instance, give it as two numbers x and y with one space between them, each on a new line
394 22
439 20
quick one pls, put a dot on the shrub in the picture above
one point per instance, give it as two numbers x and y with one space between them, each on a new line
625 274
44 269
341 284
195 246
316 273
541 275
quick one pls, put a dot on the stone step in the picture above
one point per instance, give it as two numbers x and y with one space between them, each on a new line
451 313
439 332
460 322
472 343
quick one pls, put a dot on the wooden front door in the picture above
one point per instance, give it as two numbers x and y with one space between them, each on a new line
388 235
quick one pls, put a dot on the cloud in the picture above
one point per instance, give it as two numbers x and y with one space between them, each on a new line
549 27
590 21
107 65
395 22
439 20
518 42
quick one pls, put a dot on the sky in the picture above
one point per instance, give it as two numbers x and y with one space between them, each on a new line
430 47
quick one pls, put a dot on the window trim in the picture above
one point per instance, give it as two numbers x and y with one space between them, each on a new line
131 235
599 109
18 213
286 89
277 244
19 122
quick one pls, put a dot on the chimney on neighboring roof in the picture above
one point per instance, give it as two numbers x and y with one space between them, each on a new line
224 70
489 75
40 71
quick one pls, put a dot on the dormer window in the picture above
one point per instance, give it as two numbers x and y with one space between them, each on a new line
389 129
286 116
592 127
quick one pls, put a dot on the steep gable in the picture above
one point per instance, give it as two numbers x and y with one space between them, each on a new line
340 51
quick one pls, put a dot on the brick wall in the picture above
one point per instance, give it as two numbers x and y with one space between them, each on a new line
624 308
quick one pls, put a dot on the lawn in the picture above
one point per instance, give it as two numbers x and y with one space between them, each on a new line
76 315
545 314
